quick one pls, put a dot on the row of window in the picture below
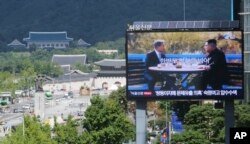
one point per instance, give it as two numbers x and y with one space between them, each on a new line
105 85
51 45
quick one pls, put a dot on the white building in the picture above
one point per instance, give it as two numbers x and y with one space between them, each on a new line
48 40
111 75
72 81
108 52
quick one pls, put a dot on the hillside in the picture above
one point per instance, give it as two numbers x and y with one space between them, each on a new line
97 20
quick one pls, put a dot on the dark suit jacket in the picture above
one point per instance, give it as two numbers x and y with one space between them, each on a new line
152 60
217 75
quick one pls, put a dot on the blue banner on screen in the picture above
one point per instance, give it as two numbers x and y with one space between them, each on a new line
185 64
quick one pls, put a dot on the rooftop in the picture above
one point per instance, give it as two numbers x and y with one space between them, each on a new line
81 42
16 42
69 59
117 63
75 77
48 36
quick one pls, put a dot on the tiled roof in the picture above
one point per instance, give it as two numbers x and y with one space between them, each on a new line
75 77
111 62
16 43
69 59
81 42
48 36
111 72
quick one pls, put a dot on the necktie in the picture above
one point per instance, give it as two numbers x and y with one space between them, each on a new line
161 57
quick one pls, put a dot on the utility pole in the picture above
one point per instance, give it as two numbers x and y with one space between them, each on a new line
167 124
23 126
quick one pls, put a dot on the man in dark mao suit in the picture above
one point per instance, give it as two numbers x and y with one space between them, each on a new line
216 67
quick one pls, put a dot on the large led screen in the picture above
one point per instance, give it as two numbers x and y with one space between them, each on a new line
185 64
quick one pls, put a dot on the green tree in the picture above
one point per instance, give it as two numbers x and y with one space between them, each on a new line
242 115
66 133
189 137
7 82
106 122
48 68
206 120
34 133
83 67
120 97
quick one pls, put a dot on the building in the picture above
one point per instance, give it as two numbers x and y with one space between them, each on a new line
108 52
82 43
72 81
16 44
56 40
68 61
111 75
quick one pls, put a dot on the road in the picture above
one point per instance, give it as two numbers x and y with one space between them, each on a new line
66 106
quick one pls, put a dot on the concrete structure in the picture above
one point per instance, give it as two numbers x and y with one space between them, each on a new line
245 18
39 105
108 52
16 44
7 121
72 81
112 73
57 40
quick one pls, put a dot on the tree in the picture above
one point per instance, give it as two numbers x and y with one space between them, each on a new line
120 97
242 115
189 137
34 132
66 133
83 67
106 122
206 120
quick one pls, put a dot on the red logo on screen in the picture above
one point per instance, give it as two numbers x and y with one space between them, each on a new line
148 93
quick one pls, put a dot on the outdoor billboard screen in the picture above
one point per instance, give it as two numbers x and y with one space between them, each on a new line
185 64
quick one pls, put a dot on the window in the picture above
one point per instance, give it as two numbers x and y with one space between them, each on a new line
105 85
118 84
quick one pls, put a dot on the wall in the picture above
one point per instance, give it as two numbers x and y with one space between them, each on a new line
110 81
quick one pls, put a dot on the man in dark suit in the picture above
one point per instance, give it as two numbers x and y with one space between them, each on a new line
154 58
215 67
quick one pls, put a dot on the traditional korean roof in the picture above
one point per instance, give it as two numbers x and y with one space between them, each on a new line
117 63
69 59
48 36
16 43
81 42
75 77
